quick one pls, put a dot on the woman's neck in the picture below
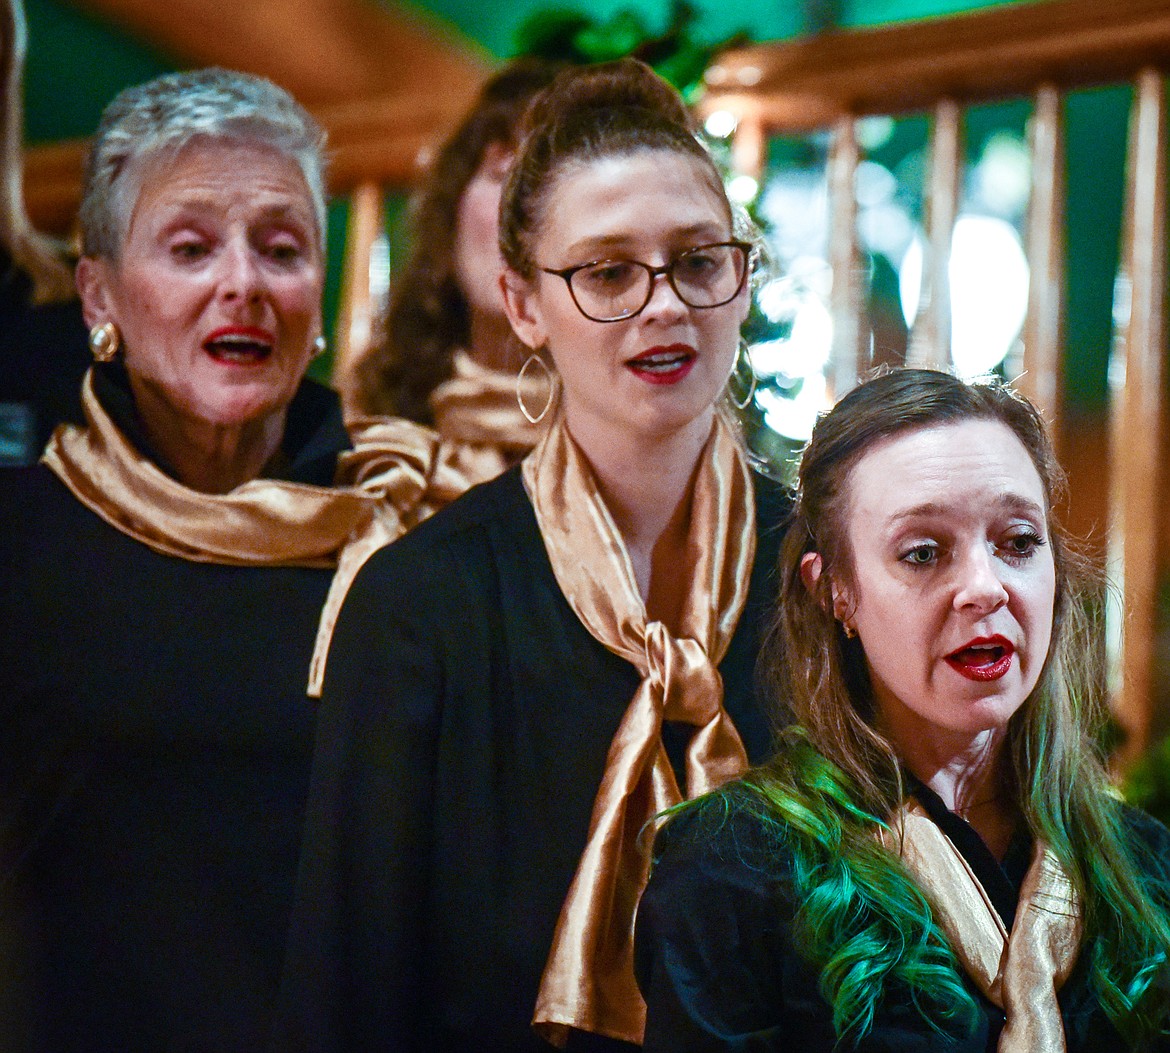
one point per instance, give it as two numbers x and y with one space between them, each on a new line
647 483
209 458
491 342
971 781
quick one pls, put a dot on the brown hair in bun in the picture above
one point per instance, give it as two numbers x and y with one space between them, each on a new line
586 114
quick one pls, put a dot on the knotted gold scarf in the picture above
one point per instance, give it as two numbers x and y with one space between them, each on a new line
477 415
1020 971
588 981
393 478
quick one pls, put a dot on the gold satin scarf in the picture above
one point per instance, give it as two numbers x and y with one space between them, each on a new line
1020 971
393 478
477 415
588 981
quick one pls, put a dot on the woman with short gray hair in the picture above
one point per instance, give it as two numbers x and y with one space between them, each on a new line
172 571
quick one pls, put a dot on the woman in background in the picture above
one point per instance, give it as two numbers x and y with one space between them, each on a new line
449 357
935 859
171 573
519 685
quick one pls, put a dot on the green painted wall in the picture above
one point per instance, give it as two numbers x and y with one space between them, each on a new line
494 25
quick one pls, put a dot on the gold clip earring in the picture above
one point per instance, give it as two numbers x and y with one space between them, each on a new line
104 341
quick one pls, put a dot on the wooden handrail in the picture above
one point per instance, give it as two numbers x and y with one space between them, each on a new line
1008 50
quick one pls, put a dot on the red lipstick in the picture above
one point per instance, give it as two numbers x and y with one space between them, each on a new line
664 365
983 659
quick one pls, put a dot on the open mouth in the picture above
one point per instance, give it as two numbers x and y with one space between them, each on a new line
664 365
240 345
983 659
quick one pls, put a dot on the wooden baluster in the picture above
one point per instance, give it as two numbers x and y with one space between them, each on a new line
930 341
749 147
1136 383
844 257
362 301
1041 363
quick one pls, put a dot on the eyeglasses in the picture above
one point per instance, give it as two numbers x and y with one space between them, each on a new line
614 290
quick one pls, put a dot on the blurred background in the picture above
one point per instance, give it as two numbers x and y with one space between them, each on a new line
943 182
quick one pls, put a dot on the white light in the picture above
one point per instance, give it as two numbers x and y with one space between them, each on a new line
910 280
794 418
1003 176
749 75
812 335
886 229
380 269
988 275
720 124
873 184
873 132
743 189
989 293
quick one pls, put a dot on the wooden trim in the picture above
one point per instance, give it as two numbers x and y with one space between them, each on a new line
845 302
1003 51
930 339
359 310
323 51
1042 378
1137 378
749 148
387 86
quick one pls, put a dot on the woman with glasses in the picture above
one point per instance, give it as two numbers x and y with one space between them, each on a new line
520 685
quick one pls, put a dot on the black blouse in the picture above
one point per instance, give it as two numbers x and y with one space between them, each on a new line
721 972
464 730
157 747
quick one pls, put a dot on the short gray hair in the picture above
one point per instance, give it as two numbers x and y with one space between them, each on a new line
163 115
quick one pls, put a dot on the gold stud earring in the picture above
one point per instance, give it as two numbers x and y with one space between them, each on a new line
319 346
104 341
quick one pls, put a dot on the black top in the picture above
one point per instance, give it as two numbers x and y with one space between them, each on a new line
717 964
43 356
464 730
157 748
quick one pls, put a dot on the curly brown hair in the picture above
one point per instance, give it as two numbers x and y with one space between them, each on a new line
428 317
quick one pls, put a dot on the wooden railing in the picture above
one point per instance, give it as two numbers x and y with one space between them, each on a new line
1039 50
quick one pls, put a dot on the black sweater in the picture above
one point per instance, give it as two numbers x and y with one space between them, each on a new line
721 972
157 748
464 730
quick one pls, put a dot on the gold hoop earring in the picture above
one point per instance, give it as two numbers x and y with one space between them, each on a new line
743 364
552 388
104 341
